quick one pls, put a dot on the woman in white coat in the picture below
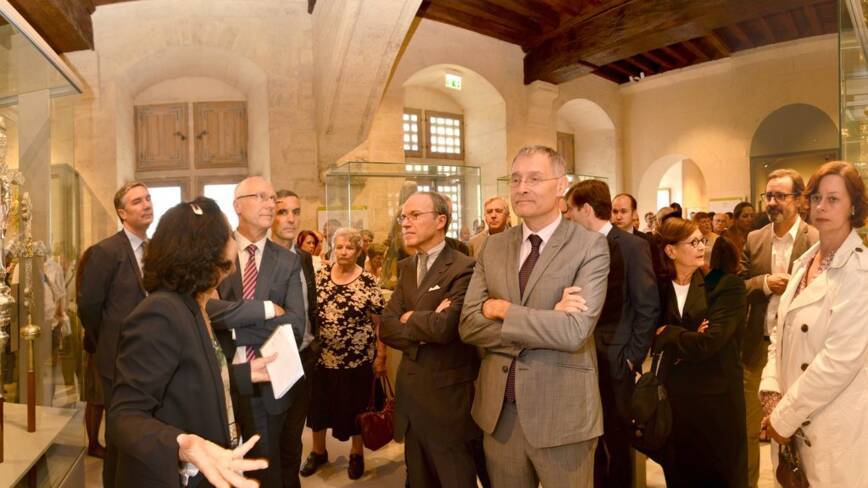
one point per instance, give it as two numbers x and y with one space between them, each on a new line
815 385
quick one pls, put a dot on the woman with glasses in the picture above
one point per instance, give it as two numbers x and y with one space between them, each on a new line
814 387
349 304
699 336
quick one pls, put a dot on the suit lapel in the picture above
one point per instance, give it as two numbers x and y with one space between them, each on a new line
551 249
211 357
230 289
694 305
266 271
131 259
441 264
512 266
764 253
800 245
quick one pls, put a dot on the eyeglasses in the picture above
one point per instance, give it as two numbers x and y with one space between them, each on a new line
696 242
260 197
413 216
777 195
531 181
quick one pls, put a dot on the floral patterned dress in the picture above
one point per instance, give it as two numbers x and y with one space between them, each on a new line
346 331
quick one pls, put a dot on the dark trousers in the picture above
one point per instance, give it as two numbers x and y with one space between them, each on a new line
430 465
613 461
293 426
254 419
110 462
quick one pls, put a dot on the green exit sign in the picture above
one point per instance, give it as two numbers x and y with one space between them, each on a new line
453 81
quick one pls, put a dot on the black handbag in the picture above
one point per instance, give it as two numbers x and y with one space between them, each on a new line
790 473
651 412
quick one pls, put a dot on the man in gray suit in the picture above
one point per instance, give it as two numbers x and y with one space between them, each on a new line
766 262
434 387
532 305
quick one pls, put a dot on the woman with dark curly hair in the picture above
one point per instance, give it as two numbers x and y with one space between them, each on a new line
171 416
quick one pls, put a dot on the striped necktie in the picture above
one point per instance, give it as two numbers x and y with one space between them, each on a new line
249 286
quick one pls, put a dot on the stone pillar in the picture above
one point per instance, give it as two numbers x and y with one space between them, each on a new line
34 162
541 127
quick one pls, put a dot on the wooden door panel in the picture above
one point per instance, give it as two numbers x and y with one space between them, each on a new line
161 137
221 134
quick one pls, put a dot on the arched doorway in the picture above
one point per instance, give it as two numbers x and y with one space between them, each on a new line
672 178
593 140
797 136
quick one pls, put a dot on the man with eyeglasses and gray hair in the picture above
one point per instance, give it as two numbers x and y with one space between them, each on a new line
532 305
766 262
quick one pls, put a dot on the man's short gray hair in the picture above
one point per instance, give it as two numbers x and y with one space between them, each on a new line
559 166
350 234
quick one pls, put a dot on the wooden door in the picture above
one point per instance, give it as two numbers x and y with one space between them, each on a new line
567 148
161 137
221 134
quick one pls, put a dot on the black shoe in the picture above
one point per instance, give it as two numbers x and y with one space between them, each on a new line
357 466
313 462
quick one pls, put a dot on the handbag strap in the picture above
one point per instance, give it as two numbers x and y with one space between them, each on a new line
373 394
656 362
387 386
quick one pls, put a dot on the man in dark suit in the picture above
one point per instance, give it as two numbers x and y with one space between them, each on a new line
283 230
264 271
624 331
112 287
624 212
435 379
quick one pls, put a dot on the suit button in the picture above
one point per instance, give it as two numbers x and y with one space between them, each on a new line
505 369
804 327
804 366
806 423
858 249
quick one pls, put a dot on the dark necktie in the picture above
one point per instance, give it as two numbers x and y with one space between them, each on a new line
421 267
523 275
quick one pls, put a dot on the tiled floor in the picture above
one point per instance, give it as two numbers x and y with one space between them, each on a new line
385 468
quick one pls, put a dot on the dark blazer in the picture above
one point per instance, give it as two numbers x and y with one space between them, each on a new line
310 283
630 337
278 282
435 379
458 246
111 289
167 383
703 377
613 306
656 257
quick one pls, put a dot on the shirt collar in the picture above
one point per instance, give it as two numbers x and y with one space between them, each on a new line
243 242
435 251
606 229
793 232
135 241
545 233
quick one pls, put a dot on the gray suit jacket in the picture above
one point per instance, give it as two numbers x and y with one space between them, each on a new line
556 387
756 263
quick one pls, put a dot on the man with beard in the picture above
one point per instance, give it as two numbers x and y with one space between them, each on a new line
766 262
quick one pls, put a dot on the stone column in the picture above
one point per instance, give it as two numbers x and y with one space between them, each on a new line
541 127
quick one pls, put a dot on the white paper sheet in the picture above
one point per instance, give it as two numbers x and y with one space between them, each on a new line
286 369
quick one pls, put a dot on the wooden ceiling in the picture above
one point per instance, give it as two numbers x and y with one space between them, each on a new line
620 39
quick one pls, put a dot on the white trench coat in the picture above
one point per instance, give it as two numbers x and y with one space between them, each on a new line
818 361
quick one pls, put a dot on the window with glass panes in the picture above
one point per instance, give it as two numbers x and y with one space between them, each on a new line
445 135
450 187
413 133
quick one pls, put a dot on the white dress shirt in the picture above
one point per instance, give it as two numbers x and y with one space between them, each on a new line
605 229
545 234
782 251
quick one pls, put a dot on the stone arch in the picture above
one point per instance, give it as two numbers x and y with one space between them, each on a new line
794 128
690 186
194 61
595 147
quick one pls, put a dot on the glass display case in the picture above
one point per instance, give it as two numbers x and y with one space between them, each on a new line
853 66
37 101
368 195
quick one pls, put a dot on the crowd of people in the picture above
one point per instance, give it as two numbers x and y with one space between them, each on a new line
520 348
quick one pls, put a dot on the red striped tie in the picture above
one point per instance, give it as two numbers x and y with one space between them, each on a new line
249 286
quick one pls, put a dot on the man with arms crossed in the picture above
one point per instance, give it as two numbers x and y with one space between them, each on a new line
532 305
496 217
435 379
624 331
766 262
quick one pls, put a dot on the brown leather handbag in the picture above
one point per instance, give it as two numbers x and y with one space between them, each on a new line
790 473
377 426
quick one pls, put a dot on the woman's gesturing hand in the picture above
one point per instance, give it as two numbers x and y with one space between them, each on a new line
223 468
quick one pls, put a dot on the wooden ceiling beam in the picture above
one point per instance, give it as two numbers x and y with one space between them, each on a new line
718 43
590 10
639 64
790 24
741 35
813 19
693 48
767 30
605 73
64 24
672 53
460 19
658 59
616 67
537 11
624 28
487 13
